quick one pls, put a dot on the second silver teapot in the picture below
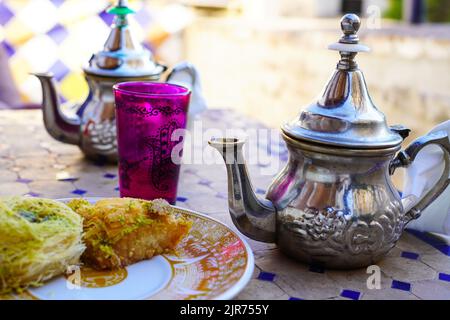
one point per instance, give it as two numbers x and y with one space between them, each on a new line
334 204
92 127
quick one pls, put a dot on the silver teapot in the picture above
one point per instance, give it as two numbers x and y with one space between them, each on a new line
91 125
334 204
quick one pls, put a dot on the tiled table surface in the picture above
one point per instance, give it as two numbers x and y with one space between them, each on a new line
31 162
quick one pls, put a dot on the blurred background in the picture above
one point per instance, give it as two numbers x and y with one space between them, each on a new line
264 58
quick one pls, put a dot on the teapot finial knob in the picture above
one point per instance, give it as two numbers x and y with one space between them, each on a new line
121 9
350 24
348 46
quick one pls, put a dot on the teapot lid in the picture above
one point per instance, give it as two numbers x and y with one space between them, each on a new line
345 115
122 55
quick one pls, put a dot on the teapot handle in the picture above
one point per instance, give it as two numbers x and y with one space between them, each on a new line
184 67
186 74
406 157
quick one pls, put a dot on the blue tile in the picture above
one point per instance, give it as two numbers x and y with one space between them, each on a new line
204 182
58 33
350 294
444 277
5 14
79 192
24 180
147 45
69 179
444 248
32 194
400 285
109 175
410 255
294 298
59 69
57 2
62 99
106 17
433 241
182 199
117 188
8 48
266 276
260 191
316 268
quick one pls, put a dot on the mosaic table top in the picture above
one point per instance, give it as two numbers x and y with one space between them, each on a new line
32 163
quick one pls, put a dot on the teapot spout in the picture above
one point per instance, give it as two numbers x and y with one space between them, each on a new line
57 124
253 217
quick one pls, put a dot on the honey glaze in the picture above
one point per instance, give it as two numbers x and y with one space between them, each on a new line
91 278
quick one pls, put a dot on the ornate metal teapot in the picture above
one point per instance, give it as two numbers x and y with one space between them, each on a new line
334 203
93 127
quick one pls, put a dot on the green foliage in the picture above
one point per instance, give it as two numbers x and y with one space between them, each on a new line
394 10
438 10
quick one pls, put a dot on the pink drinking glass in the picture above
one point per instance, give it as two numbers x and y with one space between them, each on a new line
147 113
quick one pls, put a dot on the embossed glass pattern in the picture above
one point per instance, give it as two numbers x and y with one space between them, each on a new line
147 114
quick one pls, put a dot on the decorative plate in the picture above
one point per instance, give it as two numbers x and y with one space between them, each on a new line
211 262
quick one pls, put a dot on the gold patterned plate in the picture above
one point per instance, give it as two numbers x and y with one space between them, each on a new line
211 262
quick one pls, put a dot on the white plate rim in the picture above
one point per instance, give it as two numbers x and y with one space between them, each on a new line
249 268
